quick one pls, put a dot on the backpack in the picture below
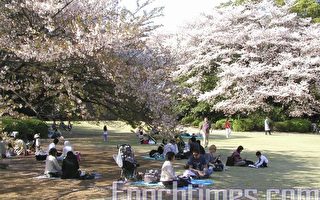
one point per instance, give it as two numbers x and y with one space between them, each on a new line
230 161
151 176
152 152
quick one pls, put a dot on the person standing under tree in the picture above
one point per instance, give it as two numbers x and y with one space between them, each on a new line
105 133
205 129
267 128
227 126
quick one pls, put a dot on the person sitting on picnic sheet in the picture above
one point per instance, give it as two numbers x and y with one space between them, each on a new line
52 168
70 167
145 139
213 159
66 148
189 172
238 161
20 147
53 144
180 143
139 133
170 147
168 175
202 151
159 152
193 145
161 146
10 151
198 164
262 160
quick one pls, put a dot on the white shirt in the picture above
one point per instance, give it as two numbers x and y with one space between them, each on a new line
262 160
38 142
105 132
188 173
51 145
167 172
266 125
52 165
170 148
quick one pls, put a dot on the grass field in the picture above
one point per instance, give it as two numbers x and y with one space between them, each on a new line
294 164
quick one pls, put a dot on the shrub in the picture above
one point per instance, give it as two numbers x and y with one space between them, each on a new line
299 125
26 128
219 124
188 120
197 123
281 126
258 122
293 125
243 125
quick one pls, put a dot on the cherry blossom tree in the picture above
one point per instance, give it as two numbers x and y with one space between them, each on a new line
83 58
257 55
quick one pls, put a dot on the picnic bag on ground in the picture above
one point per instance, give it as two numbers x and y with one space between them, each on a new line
151 176
230 161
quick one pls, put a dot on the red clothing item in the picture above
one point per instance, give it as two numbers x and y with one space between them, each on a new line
227 124
145 142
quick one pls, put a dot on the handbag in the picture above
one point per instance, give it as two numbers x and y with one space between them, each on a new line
151 176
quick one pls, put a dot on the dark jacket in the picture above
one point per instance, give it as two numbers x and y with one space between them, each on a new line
70 168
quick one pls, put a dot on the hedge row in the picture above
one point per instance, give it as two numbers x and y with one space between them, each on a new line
293 125
247 124
26 127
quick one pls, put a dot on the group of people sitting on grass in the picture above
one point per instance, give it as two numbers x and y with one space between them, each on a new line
236 160
203 165
181 149
145 138
70 162
11 147
195 168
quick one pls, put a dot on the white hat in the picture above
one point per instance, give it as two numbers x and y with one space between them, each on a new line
36 136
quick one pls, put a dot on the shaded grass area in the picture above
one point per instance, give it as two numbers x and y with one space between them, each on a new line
293 163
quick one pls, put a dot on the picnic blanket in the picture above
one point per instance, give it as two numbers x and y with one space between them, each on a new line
44 176
188 136
204 182
151 158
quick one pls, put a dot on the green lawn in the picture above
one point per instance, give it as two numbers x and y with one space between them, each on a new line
293 163
293 157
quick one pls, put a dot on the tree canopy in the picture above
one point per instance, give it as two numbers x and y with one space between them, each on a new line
259 55
82 59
